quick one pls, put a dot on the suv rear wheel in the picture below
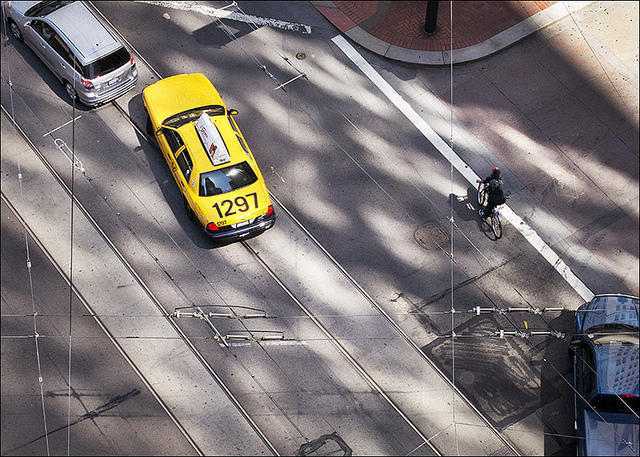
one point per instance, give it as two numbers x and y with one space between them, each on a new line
71 92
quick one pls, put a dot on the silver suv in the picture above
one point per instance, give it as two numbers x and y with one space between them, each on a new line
85 56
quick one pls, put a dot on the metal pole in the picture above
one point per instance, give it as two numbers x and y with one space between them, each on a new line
431 17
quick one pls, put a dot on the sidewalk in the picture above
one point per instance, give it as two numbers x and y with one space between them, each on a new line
396 29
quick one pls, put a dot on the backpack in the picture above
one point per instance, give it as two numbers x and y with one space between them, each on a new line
495 186
495 191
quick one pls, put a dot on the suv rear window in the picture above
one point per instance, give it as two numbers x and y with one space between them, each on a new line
226 179
107 64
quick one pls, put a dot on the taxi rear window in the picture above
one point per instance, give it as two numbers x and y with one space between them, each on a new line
226 179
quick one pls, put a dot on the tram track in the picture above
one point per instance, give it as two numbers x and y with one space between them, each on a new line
369 379
282 284
161 308
354 283
100 323
170 316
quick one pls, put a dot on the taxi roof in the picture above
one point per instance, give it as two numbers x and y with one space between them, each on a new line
179 93
201 159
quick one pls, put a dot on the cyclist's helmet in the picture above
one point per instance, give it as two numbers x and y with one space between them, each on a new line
496 173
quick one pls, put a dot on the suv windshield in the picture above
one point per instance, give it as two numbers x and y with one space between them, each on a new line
226 179
44 8
107 64
191 115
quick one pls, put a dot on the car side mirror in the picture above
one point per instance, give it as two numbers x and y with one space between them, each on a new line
27 24
232 112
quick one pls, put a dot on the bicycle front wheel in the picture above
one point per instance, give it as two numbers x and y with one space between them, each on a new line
483 196
496 225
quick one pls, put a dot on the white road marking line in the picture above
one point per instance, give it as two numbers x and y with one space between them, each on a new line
224 14
530 235
63 125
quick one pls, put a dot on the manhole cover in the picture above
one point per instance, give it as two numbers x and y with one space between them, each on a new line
301 56
466 377
431 236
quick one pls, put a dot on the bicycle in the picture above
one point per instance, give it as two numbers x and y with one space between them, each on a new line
496 220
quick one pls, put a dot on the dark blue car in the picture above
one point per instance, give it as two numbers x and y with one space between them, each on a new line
606 383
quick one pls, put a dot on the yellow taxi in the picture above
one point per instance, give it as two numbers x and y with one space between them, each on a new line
209 159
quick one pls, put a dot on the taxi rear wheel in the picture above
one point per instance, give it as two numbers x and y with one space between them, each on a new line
190 214
149 126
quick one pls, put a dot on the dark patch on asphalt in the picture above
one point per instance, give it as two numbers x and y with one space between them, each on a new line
500 377
115 401
331 444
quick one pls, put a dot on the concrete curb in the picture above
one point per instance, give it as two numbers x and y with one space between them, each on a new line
479 51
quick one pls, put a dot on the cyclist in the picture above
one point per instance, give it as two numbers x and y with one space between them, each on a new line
496 195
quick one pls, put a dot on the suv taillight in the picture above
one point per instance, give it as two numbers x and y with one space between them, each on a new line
86 83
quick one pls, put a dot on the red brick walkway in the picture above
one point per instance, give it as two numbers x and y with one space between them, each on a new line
402 23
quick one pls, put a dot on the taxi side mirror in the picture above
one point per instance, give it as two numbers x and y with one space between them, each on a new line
232 112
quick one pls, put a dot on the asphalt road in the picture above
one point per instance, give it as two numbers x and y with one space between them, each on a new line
365 183
117 413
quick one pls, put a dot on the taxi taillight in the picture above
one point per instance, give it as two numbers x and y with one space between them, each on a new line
269 211
212 227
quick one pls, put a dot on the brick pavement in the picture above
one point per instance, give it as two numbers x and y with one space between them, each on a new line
401 24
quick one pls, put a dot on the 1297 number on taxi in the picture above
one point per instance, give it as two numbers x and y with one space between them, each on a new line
241 204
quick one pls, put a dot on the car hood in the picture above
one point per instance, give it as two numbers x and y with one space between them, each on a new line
609 433
20 7
180 93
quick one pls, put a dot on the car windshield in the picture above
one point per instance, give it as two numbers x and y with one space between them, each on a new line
178 120
226 179
43 8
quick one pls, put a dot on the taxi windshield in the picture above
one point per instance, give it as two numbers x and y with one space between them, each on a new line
178 120
226 179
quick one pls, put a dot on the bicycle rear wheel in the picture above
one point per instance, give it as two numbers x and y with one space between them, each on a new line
483 197
496 225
